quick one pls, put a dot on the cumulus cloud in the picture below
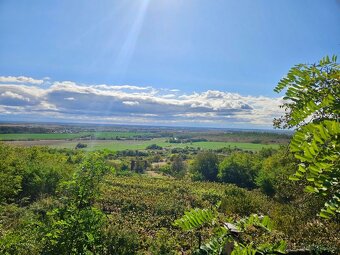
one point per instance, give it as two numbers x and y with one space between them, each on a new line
120 87
134 104
19 95
169 96
11 95
20 79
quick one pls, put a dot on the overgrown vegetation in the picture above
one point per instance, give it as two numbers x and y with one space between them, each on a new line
184 200
91 209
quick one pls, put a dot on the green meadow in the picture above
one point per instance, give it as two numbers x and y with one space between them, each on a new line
116 145
66 136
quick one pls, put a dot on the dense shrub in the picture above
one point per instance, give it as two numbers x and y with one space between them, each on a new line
273 175
238 168
119 239
177 167
154 147
242 202
81 145
31 172
77 225
205 166
19 231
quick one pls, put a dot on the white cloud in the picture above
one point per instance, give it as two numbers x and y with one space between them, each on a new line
131 103
119 87
12 95
20 79
70 100
169 96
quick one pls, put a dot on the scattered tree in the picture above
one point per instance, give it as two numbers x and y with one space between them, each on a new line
238 168
177 166
154 147
81 145
205 166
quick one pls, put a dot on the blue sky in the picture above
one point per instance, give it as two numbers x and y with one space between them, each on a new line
239 48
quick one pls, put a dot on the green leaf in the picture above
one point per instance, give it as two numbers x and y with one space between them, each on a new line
294 178
195 218
310 189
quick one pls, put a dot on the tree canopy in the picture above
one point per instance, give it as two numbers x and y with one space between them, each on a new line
205 166
240 169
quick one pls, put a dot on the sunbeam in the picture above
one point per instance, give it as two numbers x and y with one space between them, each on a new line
123 60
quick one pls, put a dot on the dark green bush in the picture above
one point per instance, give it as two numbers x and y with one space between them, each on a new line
239 168
205 167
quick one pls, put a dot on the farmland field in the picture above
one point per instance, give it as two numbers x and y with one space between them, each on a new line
65 136
130 138
118 145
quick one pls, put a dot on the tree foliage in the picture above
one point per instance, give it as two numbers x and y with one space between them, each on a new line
313 107
195 218
240 169
272 176
31 172
205 166
312 93
76 227
177 166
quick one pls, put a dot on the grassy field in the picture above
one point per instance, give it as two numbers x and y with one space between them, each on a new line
219 145
95 141
60 136
117 145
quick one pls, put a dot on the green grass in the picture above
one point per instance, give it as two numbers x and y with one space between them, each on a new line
49 136
219 145
23 137
118 145
141 145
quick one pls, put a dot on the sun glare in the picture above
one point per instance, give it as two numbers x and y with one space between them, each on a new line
123 60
